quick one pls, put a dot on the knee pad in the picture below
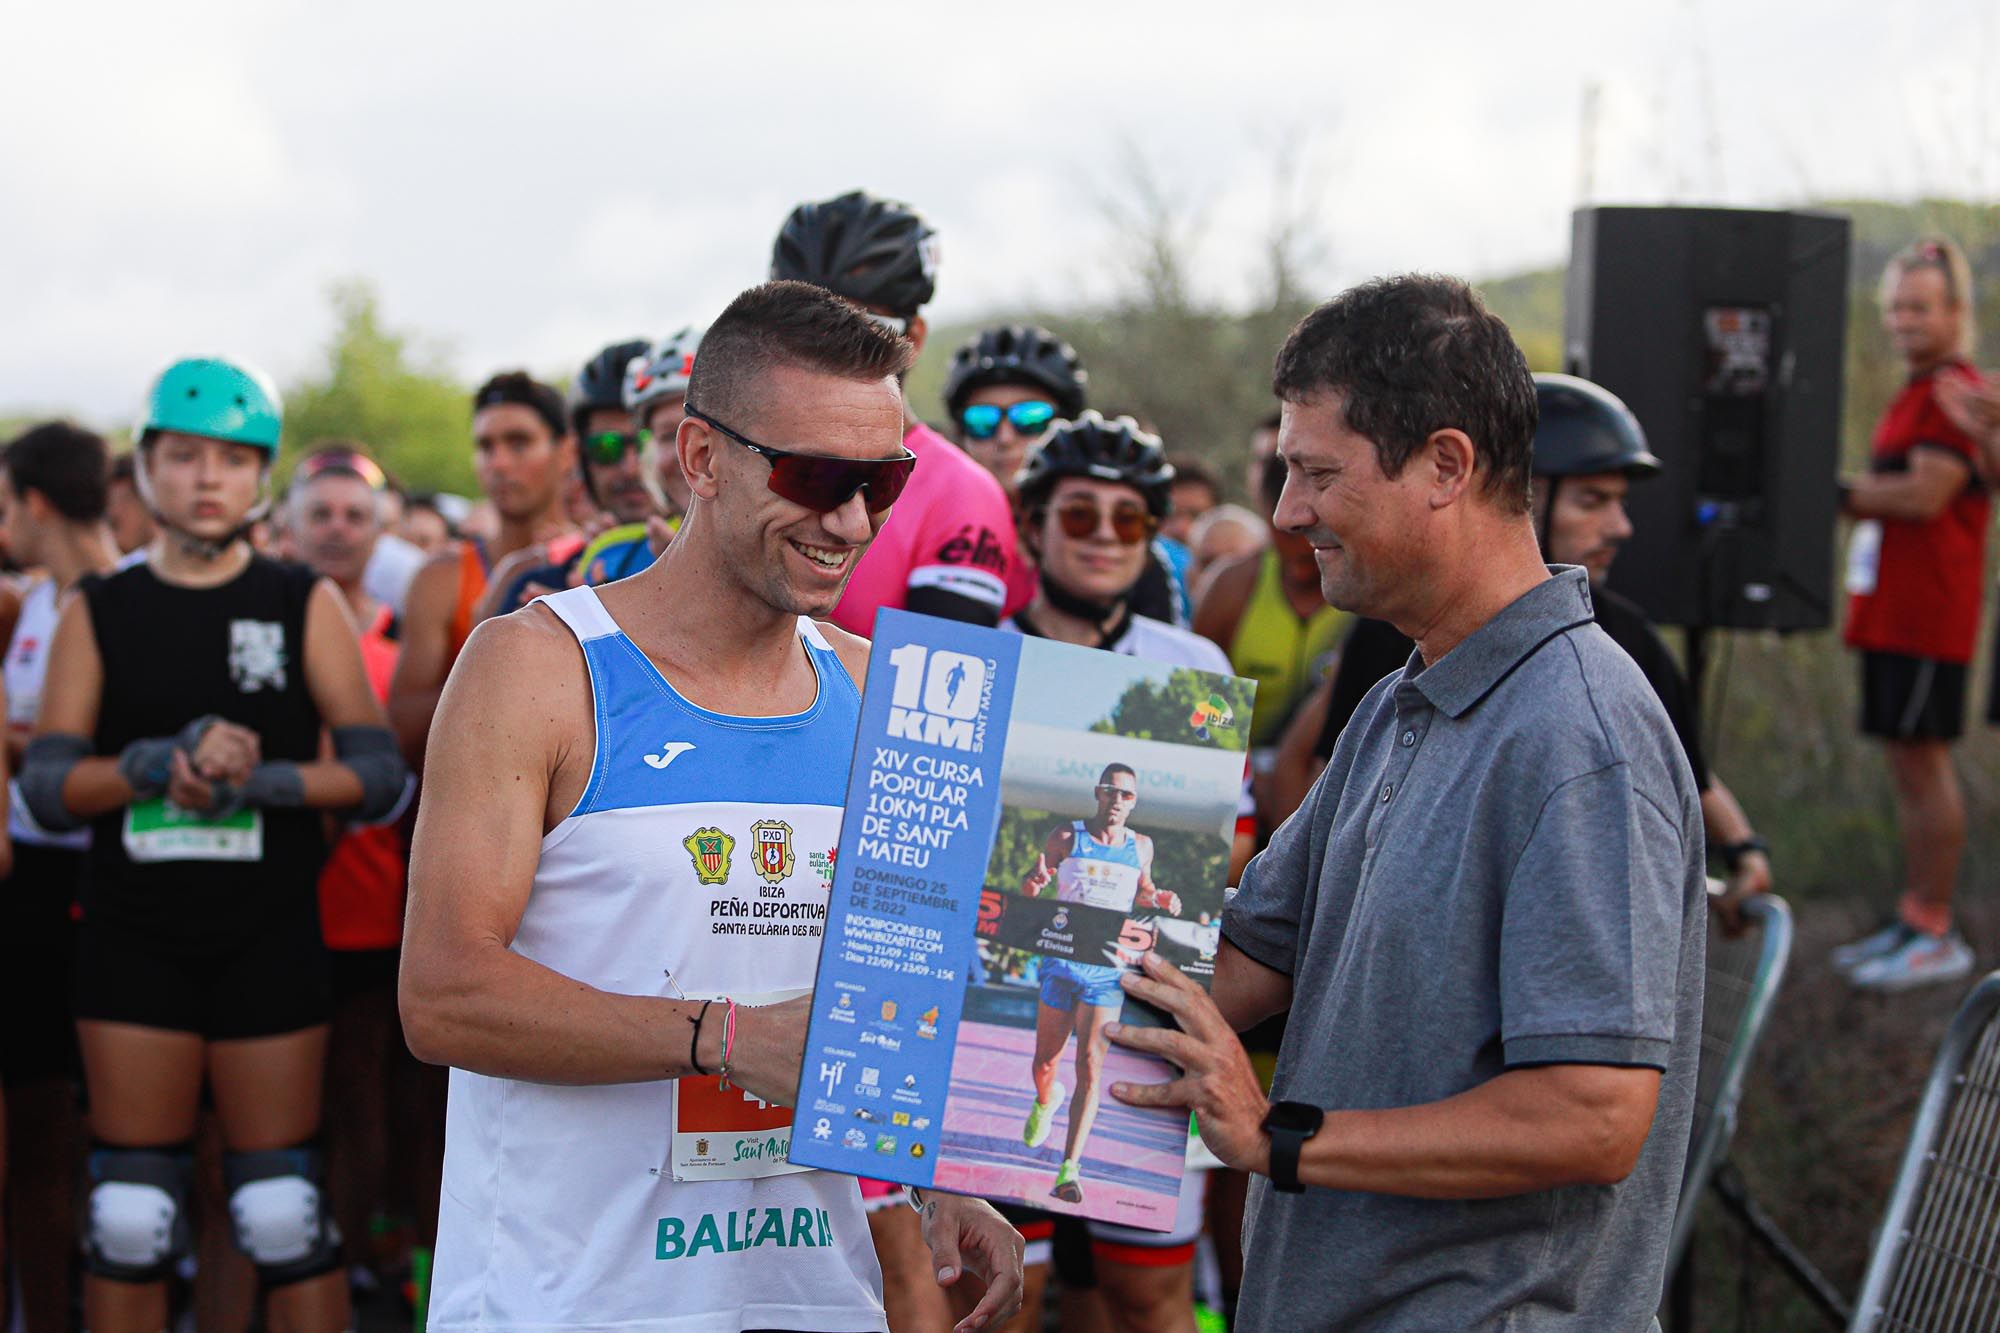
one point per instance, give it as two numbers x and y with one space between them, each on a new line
278 1207
135 1221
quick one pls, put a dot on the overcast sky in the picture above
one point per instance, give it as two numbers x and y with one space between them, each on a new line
523 183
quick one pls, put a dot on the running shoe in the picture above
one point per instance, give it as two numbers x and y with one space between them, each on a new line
1883 940
1921 960
1067 1187
1042 1118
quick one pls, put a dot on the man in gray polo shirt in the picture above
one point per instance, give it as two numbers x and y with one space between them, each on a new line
1486 921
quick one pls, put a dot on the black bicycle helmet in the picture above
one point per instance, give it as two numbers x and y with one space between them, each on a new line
873 251
601 382
1104 450
1016 354
1586 429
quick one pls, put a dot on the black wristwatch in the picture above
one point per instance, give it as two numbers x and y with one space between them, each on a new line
1290 1124
1734 852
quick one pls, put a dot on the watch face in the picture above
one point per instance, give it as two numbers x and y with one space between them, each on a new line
1295 1117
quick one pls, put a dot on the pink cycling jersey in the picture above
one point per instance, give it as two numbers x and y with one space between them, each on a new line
951 530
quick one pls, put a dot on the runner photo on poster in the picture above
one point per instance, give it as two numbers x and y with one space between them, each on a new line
1092 823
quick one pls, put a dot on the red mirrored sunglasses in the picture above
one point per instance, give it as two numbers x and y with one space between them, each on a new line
822 483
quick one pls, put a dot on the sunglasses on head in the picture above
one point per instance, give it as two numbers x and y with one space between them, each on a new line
608 446
822 483
1130 523
339 460
982 420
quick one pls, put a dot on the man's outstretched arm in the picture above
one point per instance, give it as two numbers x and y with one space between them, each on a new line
1527 1129
1150 895
1246 991
1053 852
424 656
467 998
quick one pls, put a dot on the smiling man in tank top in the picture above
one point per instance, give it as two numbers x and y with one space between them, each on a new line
610 894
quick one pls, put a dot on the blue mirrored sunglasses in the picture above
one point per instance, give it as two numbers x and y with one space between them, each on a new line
982 420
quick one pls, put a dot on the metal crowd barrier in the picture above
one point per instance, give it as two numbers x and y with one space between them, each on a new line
1743 979
1936 1261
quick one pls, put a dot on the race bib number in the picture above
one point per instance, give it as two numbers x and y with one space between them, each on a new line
1864 557
158 830
728 1134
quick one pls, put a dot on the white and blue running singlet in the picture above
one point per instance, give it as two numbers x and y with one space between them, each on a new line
1100 875
698 861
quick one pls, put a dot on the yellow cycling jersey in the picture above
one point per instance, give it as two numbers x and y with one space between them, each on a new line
1285 655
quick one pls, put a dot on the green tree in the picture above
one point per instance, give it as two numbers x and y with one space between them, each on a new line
378 389
1194 370
1162 710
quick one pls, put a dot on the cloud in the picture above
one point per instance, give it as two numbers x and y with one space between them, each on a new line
524 184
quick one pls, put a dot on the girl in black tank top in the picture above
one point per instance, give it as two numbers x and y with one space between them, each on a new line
238 653
183 717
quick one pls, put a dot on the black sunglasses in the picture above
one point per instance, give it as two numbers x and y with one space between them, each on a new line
821 483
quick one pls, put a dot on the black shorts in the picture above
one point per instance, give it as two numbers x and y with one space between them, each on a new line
38 964
1037 1228
1993 686
1911 698
258 984
358 972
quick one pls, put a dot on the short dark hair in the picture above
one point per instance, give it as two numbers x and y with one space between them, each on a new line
1416 354
1110 769
124 470
793 324
1271 481
518 386
429 500
64 462
1193 472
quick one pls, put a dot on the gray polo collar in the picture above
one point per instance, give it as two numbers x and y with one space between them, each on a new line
1468 673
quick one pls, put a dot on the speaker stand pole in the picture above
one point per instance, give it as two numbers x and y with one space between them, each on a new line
1697 666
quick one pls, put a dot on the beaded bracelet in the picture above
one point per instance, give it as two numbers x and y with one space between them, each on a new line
728 1038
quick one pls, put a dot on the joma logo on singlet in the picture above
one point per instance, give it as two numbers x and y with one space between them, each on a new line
745 1230
671 751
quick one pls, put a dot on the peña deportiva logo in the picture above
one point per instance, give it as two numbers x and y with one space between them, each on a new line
710 848
773 840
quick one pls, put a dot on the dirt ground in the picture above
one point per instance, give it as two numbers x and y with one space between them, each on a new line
1826 1114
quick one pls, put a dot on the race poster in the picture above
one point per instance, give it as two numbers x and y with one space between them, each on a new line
1024 820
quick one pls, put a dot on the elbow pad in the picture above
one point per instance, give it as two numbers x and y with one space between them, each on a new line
44 769
371 754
